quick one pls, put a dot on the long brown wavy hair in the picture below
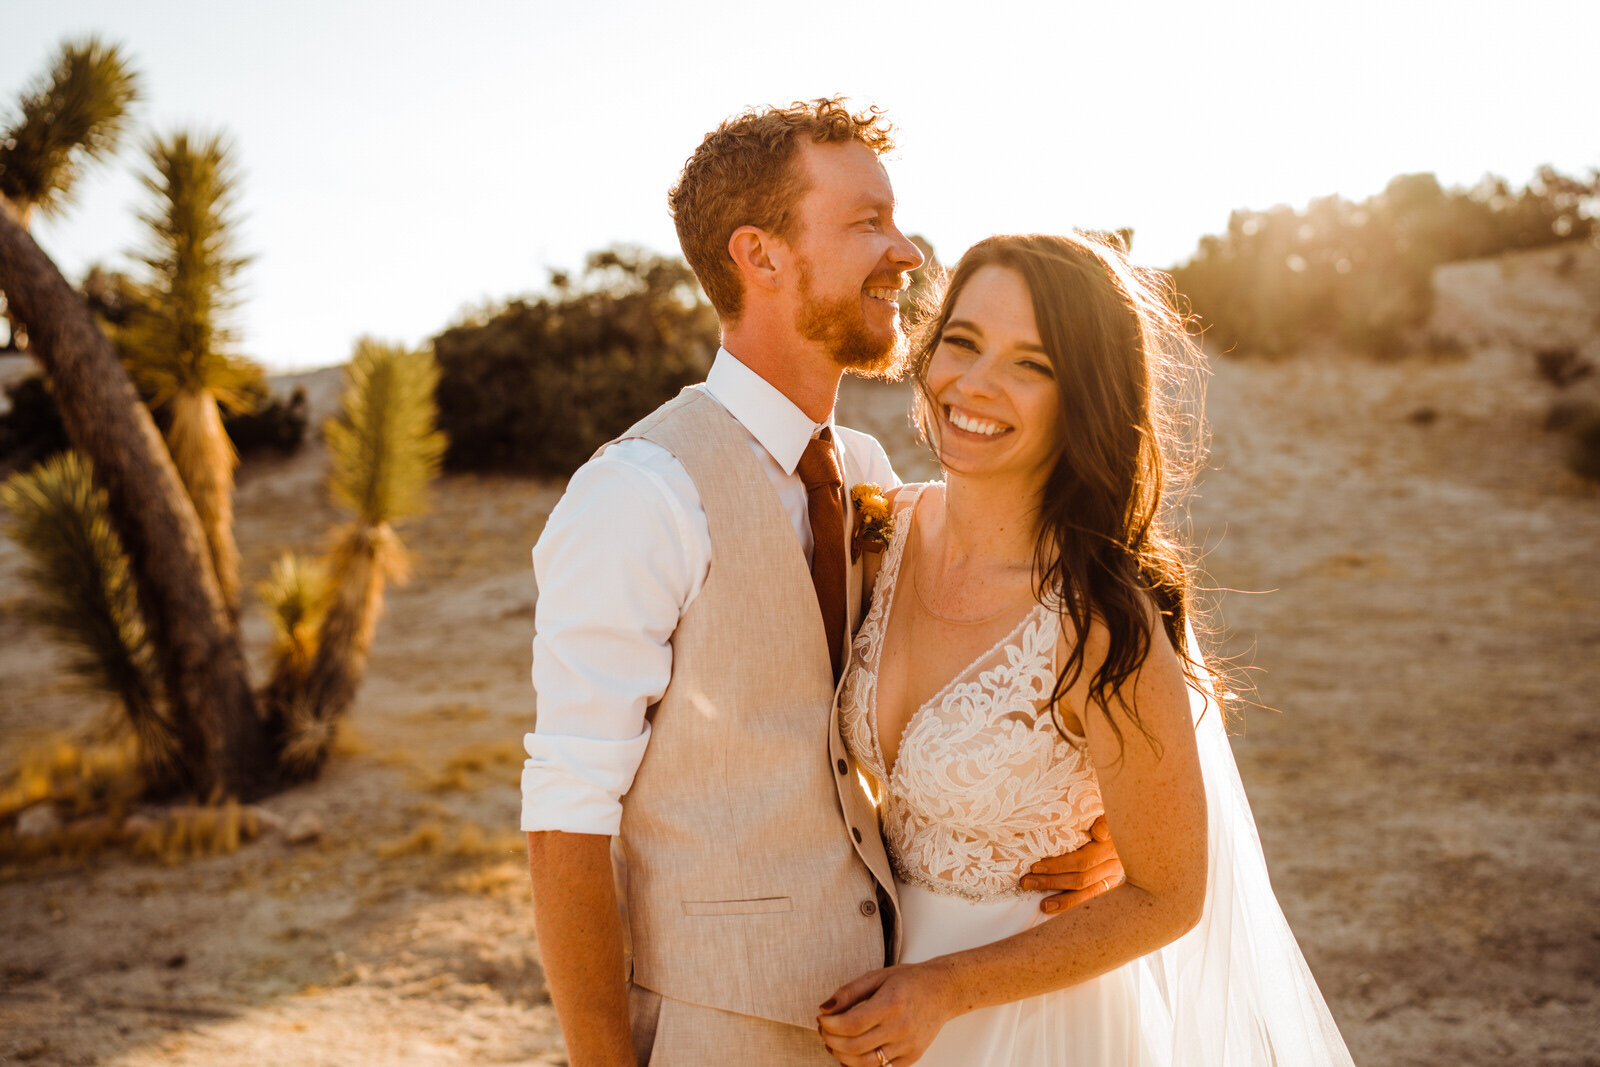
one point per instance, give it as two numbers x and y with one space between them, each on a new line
1130 437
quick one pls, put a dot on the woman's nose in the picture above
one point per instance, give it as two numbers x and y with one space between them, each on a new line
978 379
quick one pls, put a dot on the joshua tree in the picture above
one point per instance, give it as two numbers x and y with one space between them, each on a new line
384 452
221 740
76 113
176 340
178 544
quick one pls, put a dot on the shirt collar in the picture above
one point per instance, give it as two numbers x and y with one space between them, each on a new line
771 418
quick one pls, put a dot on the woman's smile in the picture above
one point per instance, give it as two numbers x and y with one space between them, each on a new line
974 425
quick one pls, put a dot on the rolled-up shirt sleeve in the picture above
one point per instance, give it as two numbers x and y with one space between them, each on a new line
617 563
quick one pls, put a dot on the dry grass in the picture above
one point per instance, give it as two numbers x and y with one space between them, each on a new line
93 789
465 769
461 840
78 778
506 880
479 758
197 830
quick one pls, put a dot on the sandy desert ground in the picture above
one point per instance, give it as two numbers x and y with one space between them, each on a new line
1411 572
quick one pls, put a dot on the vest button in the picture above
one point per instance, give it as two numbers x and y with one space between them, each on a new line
844 768
853 830
869 908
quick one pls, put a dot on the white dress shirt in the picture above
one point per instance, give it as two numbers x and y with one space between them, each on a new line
623 555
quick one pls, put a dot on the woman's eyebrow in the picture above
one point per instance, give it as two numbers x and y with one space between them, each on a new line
972 327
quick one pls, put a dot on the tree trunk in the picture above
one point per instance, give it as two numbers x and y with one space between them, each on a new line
205 459
222 743
18 342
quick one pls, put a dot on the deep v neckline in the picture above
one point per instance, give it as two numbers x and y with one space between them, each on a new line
891 597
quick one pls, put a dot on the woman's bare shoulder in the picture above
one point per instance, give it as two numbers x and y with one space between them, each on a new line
902 496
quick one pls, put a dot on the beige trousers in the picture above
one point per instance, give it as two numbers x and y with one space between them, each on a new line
675 1033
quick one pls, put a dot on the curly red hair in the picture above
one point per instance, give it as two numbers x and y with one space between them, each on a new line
743 174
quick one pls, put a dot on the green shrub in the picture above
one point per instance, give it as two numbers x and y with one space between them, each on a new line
541 384
272 425
31 430
1363 272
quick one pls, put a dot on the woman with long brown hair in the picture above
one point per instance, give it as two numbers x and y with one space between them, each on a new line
1027 665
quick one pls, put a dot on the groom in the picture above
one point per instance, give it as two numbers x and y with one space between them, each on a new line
696 598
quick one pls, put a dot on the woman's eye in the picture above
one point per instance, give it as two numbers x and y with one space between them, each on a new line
1037 367
959 342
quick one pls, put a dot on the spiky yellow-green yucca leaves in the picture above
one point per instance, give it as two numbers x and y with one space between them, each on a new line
176 342
76 112
383 447
179 339
294 592
84 591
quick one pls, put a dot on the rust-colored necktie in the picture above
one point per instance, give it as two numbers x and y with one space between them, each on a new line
819 470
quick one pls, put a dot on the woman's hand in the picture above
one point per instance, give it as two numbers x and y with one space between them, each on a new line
898 1010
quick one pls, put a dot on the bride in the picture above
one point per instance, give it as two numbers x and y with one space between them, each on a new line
1028 665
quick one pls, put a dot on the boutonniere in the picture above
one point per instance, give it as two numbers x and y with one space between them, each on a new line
874 520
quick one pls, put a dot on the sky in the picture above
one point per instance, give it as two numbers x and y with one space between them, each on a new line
402 161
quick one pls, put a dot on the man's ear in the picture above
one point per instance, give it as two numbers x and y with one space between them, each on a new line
759 256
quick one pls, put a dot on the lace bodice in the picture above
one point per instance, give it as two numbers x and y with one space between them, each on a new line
983 785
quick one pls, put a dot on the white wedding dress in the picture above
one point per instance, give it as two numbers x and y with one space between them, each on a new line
983 786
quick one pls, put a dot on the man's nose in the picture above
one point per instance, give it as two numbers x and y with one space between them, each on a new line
904 253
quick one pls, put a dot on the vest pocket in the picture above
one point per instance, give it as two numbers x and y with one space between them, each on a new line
755 906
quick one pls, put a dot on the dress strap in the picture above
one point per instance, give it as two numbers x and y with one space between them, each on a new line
905 506
910 494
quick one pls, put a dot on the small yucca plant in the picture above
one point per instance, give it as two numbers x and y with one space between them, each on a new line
177 341
383 451
295 596
84 592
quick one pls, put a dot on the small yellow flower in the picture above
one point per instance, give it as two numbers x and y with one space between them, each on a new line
874 519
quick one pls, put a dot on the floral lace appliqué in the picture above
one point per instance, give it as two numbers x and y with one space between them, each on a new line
984 785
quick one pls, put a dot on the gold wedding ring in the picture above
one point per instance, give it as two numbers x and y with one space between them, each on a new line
883 1061
1105 884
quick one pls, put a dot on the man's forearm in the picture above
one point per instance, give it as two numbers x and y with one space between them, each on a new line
580 942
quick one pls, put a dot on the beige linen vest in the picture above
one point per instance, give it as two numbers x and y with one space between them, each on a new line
749 848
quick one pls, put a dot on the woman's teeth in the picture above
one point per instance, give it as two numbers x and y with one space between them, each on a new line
978 426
